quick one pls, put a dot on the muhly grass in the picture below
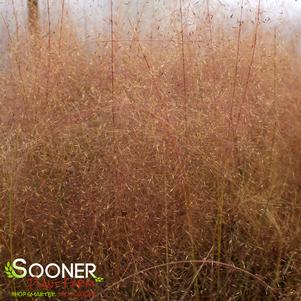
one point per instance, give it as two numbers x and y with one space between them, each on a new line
174 166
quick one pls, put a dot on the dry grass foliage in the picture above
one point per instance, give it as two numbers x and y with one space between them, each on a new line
149 154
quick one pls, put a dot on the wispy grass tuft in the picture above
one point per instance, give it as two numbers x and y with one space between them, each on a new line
174 165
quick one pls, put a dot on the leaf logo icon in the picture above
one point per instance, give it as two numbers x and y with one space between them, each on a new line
98 279
10 272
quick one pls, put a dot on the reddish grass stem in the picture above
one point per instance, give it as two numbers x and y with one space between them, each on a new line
183 66
61 25
236 64
274 292
250 64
